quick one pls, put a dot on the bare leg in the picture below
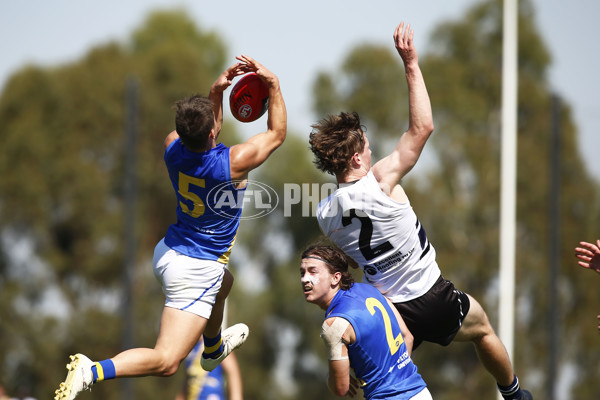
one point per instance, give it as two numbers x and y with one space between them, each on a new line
216 317
476 328
232 337
179 332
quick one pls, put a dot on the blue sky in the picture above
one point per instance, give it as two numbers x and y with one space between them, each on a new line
297 39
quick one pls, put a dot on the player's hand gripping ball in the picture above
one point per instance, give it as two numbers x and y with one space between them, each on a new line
249 98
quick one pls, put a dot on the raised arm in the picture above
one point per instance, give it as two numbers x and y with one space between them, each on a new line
392 168
216 95
246 156
218 87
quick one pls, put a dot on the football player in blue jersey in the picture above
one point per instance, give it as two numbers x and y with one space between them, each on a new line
190 262
362 330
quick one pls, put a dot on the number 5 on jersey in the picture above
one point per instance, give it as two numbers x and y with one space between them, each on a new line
184 190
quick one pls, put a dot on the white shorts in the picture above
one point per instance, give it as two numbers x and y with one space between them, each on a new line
190 284
422 395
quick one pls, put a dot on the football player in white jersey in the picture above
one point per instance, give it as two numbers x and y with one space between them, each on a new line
370 217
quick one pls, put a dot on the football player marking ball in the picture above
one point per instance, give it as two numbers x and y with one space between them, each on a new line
249 98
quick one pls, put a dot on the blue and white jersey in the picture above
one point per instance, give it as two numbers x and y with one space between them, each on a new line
209 206
378 356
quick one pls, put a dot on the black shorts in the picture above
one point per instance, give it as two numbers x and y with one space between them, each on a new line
437 315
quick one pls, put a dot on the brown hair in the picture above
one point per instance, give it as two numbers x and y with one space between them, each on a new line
334 140
335 259
194 119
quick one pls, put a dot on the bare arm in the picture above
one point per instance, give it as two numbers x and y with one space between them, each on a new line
246 156
403 158
218 87
336 339
171 137
234 377
339 377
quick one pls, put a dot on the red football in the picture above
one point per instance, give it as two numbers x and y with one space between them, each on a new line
249 98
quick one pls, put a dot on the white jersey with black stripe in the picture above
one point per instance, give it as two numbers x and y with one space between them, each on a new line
383 236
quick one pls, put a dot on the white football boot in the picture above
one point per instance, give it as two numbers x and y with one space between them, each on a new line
78 379
232 337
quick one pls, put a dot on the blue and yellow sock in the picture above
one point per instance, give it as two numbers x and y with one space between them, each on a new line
103 370
213 347
512 391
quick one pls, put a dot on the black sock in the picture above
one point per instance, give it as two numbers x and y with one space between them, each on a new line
512 391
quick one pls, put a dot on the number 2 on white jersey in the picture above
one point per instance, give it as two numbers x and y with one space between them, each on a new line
366 234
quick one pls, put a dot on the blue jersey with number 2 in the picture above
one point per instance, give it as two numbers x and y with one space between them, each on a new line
378 356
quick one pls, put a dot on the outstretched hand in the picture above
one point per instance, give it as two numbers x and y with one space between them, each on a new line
403 40
226 78
248 64
589 255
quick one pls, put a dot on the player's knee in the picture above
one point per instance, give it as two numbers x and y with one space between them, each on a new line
170 367
484 332
168 372
481 332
